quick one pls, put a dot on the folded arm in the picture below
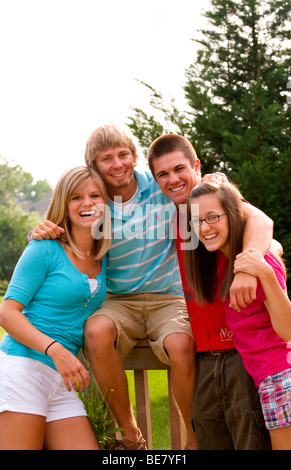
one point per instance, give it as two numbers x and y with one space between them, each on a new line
19 327
258 234
277 302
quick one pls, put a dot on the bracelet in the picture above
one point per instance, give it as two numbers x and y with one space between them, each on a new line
49 346
28 236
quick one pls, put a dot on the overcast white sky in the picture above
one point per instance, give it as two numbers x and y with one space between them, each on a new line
68 66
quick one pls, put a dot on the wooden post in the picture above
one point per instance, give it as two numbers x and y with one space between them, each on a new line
176 422
143 414
140 360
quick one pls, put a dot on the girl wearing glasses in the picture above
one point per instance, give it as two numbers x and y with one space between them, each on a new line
260 330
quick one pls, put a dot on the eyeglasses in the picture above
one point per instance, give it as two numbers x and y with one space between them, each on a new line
210 219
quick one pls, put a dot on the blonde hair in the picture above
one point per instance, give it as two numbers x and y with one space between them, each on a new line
58 208
105 137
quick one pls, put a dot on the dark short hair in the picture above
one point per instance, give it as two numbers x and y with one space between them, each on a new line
168 143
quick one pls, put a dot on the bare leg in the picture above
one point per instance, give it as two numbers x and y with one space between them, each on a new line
100 337
70 434
21 431
181 351
281 438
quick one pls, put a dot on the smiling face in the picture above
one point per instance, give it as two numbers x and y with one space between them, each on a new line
213 236
116 167
86 205
175 175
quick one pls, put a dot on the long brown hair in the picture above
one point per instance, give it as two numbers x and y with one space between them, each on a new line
200 264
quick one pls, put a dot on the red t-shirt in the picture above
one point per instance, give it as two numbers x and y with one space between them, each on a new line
208 322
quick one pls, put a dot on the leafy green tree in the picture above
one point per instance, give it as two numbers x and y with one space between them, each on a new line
15 224
238 118
16 187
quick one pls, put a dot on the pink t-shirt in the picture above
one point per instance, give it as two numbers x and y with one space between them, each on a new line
262 350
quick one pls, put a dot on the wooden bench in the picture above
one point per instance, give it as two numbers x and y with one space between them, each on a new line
140 360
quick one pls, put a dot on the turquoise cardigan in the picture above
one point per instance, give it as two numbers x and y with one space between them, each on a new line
56 297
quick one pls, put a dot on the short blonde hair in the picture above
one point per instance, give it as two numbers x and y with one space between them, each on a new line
58 208
105 137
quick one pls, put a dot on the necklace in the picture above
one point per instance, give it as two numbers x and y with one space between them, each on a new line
87 253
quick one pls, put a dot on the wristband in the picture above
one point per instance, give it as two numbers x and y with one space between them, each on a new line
28 236
49 346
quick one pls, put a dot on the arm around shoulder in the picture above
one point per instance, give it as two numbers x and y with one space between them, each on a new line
277 302
46 230
258 232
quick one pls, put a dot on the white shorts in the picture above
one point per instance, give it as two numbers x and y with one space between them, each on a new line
30 386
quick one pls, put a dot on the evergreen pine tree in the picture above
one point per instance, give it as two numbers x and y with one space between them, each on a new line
238 117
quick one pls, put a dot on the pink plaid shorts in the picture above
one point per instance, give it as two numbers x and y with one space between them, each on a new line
275 394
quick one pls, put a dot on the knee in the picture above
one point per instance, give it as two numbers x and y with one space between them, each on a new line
99 332
180 348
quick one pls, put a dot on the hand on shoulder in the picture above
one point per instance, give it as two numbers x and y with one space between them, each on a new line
46 230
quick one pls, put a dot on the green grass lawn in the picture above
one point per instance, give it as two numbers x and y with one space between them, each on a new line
2 333
159 404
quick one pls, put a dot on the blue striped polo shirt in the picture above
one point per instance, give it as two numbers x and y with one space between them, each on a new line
143 255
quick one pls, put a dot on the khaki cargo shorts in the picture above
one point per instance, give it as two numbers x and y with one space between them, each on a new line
138 316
